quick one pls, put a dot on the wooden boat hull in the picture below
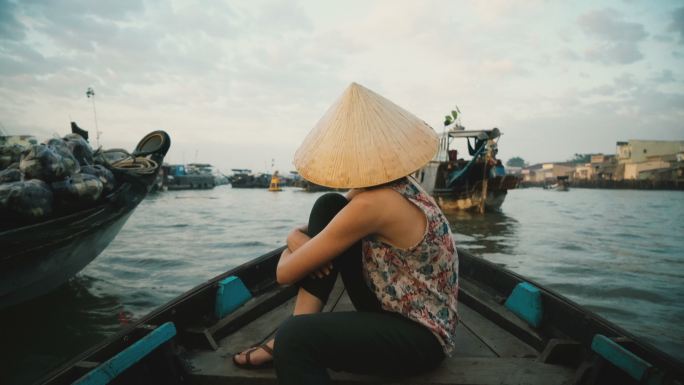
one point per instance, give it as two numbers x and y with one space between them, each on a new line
476 184
560 350
46 269
449 203
466 195
37 258
250 181
191 182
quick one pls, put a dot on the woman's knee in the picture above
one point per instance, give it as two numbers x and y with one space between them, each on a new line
330 202
324 210
291 337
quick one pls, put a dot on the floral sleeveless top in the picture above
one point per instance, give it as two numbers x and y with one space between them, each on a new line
421 282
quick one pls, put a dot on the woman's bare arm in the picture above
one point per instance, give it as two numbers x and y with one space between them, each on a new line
296 239
361 217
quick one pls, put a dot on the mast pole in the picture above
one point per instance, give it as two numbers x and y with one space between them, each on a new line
485 178
90 93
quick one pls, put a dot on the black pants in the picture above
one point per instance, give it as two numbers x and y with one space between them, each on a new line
367 341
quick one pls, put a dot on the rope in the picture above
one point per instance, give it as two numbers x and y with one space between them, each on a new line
457 174
137 165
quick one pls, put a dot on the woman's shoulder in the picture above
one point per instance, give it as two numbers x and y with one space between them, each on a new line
376 194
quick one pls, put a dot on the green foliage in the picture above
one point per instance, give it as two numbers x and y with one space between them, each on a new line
448 119
581 158
516 161
454 113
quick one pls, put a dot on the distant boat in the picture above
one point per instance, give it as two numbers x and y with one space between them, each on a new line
244 178
562 183
208 169
511 331
478 184
37 258
182 177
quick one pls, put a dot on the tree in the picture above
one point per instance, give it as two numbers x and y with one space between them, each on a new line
581 158
516 161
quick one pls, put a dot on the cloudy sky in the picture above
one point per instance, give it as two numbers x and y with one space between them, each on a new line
240 83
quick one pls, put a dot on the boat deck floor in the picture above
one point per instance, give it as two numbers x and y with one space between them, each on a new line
485 354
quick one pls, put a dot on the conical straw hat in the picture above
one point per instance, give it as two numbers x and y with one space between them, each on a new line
364 140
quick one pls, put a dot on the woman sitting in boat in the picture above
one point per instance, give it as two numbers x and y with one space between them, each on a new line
388 240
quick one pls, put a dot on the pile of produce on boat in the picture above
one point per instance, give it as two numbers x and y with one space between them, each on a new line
61 204
57 177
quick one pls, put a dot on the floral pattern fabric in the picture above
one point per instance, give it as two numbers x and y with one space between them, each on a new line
421 282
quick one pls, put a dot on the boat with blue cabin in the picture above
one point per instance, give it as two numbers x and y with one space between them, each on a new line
480 183
187 177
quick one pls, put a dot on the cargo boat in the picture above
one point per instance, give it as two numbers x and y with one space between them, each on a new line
182 177
479 184
244 178
39 257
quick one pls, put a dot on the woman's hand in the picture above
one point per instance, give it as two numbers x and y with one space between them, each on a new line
296 240
297 237
322 272
362 216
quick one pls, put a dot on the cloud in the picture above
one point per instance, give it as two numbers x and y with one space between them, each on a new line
10 27
664 76
663 38
569 55
677 23
614 53
244 81
502 67
604 90
284 16
616 40
628 96
607 24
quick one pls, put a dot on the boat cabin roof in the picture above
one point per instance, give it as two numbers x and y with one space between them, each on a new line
457 131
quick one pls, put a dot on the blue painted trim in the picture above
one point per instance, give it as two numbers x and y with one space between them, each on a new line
525 302
230 295
630 363
123 360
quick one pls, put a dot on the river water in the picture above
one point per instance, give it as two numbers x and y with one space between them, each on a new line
618 252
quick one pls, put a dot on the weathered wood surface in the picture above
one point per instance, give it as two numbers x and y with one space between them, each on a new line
486 354
472 294
501 342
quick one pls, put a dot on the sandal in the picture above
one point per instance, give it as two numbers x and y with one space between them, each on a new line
248 363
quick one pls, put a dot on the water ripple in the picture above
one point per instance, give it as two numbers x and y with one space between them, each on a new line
616 252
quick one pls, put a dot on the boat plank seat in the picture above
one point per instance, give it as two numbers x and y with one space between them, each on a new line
485 354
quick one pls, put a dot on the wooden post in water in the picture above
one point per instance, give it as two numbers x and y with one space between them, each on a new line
485 177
